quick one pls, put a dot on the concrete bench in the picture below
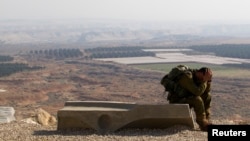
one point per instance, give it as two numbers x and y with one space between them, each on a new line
110 116
6 114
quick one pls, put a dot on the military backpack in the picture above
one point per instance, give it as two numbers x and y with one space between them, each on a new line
175 73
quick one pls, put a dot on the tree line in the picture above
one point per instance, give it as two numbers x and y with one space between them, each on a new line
58 53
7 69
5 58
226 50
117 52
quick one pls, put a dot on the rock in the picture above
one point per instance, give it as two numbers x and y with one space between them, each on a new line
41 117
44 118
30 120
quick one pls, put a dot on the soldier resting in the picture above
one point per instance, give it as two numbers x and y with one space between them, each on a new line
193 88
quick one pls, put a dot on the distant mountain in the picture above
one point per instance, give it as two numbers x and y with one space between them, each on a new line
100 31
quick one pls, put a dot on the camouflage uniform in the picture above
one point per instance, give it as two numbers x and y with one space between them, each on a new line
188 90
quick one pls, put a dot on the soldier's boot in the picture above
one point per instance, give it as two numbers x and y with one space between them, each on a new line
208 116
202 122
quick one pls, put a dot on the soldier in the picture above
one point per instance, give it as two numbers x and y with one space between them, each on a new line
193 88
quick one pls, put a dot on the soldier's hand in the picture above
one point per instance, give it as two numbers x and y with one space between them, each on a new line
208 75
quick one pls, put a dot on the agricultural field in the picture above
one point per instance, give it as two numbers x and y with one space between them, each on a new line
218 70
165 59
177 55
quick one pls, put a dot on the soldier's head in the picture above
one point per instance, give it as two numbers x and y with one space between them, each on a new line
204 74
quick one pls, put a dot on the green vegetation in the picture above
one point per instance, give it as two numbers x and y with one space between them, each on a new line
226 50
4 58
218 70
57 53
7 69
117 52
166 67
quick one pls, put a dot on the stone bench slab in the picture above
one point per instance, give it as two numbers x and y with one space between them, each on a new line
110 116
6 114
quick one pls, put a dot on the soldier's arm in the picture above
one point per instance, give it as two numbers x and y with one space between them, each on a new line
208 89
187 83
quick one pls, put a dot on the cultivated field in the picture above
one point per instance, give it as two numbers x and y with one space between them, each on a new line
176 56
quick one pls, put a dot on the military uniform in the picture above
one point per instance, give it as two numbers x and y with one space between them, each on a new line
187 89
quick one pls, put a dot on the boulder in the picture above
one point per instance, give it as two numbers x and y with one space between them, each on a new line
44 118
41 117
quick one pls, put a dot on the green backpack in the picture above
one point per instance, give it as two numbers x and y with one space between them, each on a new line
175 90
175 73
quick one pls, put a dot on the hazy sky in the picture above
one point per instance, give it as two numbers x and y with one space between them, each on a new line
153 10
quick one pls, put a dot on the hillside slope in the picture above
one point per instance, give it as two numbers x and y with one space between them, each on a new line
64 80
79 79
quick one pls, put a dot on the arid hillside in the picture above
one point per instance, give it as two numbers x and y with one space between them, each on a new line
80 79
